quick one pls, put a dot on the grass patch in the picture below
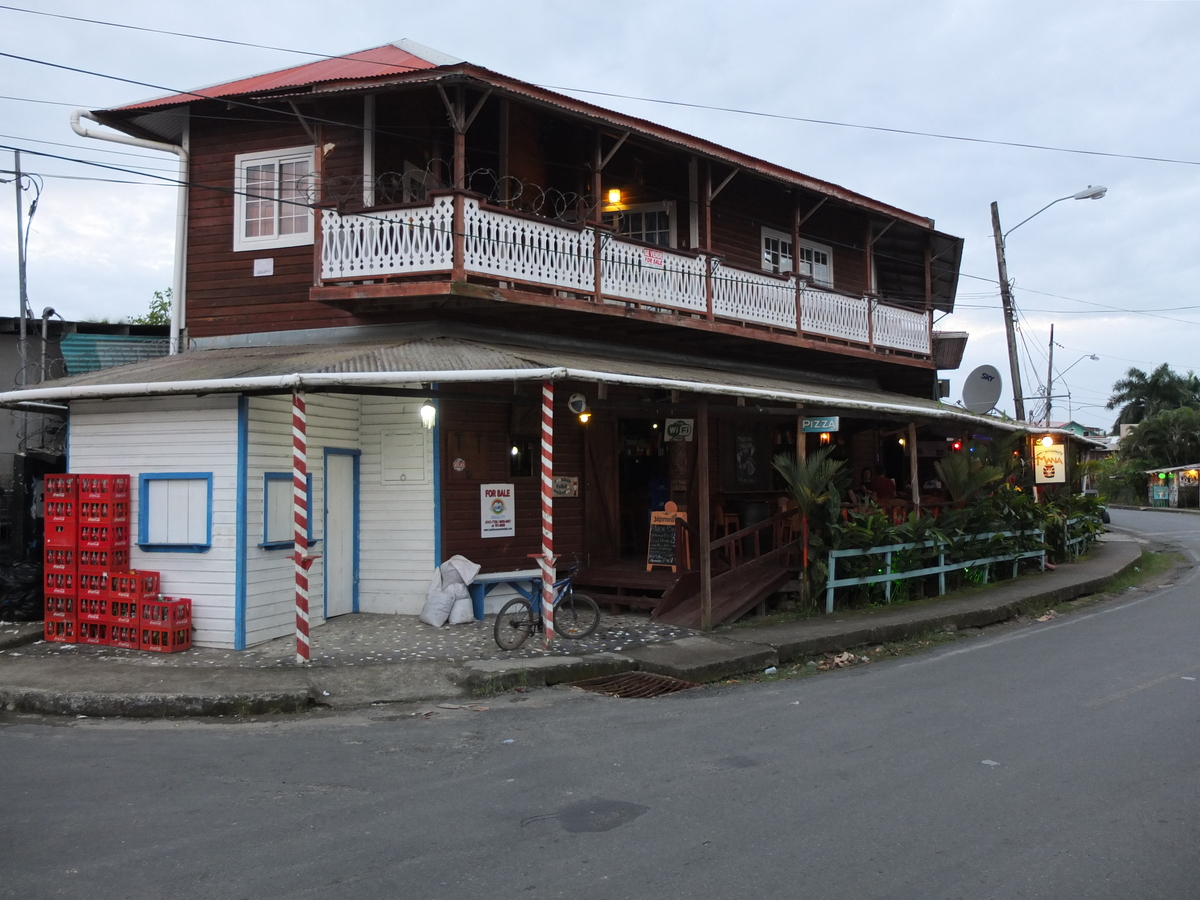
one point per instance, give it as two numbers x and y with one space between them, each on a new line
1154 565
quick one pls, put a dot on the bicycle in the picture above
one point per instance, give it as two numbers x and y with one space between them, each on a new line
575 615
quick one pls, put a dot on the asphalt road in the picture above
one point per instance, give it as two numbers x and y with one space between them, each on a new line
1055 760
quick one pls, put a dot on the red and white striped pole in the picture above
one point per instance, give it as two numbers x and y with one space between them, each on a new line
546 562
300 522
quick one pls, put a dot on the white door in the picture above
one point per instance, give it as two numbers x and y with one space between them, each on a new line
341 538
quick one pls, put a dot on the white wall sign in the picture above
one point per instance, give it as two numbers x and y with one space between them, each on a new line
497 511
264 267
1049 464
679 429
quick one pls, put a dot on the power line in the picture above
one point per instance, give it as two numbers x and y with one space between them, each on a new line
1022 145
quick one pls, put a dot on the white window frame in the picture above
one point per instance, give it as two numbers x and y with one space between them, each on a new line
244 161
806 269
667 206
185 500
787 257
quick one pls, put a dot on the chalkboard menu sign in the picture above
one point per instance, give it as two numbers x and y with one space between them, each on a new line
661 549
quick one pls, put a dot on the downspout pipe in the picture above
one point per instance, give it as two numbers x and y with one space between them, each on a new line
179 283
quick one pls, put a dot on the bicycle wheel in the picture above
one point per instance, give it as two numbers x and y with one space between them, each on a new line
514 624
576 615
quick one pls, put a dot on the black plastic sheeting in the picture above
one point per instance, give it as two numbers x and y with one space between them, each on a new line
21 592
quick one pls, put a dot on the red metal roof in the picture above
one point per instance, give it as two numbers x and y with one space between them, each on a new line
388 59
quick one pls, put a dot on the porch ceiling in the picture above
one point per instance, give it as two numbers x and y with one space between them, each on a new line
447 360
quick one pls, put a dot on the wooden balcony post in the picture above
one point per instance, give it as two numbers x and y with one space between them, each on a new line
912 464
459 271
598 219
796 263
870 321
708 280
702 514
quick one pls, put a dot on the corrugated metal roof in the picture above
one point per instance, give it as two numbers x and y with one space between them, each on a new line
388 59
90 352
451 354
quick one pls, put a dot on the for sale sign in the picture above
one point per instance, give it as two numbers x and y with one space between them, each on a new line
497 511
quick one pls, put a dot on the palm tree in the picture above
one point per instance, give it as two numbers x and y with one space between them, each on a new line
963 479
814 482
1141 396
1169 438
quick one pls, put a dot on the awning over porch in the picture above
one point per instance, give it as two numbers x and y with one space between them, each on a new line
426 357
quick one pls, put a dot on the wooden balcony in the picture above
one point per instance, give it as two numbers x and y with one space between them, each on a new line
455 237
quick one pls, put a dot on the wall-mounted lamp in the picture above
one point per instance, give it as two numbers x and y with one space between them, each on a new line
903 442
428 414
826 437
584 417
515 451
614 196
1047 441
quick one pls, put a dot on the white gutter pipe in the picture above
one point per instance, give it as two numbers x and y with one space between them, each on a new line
299 381
179 283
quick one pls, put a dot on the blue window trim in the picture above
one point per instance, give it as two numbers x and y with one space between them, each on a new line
243 489
288 544
357 457
143 519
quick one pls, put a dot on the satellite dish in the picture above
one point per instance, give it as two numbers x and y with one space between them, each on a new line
981 391
577 404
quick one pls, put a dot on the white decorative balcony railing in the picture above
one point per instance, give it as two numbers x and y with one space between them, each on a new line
521 249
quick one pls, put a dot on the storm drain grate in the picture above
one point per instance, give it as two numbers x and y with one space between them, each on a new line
634 685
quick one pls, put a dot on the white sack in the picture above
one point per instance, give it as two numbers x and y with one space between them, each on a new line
462 612
449 584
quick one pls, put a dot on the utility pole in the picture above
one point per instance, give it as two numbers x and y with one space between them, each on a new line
22 294
1050 375
1009 328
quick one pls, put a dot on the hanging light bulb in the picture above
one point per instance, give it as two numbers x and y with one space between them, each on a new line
428 413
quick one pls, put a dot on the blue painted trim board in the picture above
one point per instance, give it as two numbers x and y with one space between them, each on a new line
144 520
437 483
242 530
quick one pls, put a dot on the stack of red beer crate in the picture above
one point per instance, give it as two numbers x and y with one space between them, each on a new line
92 596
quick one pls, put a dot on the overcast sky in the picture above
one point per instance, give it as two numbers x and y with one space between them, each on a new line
1116 276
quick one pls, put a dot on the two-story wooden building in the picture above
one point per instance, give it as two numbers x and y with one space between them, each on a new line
421 250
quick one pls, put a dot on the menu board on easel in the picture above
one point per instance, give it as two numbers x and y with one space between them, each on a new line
661 549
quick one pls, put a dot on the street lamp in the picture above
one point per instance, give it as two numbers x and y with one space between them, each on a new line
1050 375
1093 192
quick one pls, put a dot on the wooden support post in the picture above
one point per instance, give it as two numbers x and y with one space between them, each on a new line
708 261
703 513
801 437
598 218
912 464
796 264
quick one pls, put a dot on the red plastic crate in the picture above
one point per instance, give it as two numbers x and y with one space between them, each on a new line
137 585
103 537
60 509
59 559
60 487
102 512
60 606
103 487
91 633
92 609
111 560
166 612
122 612
125 636
157 639
60 631
60 584
63 534
93 584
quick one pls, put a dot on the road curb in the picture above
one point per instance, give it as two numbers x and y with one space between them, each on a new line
21 634
153 706
483 677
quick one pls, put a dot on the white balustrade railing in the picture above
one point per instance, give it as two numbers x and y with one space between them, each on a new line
520 249
901 329
651 276
834 315
754 297
395 242
517 248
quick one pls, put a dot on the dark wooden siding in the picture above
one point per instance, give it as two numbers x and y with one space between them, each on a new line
223 296
481 433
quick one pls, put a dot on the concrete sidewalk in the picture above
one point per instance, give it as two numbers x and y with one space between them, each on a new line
60 680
